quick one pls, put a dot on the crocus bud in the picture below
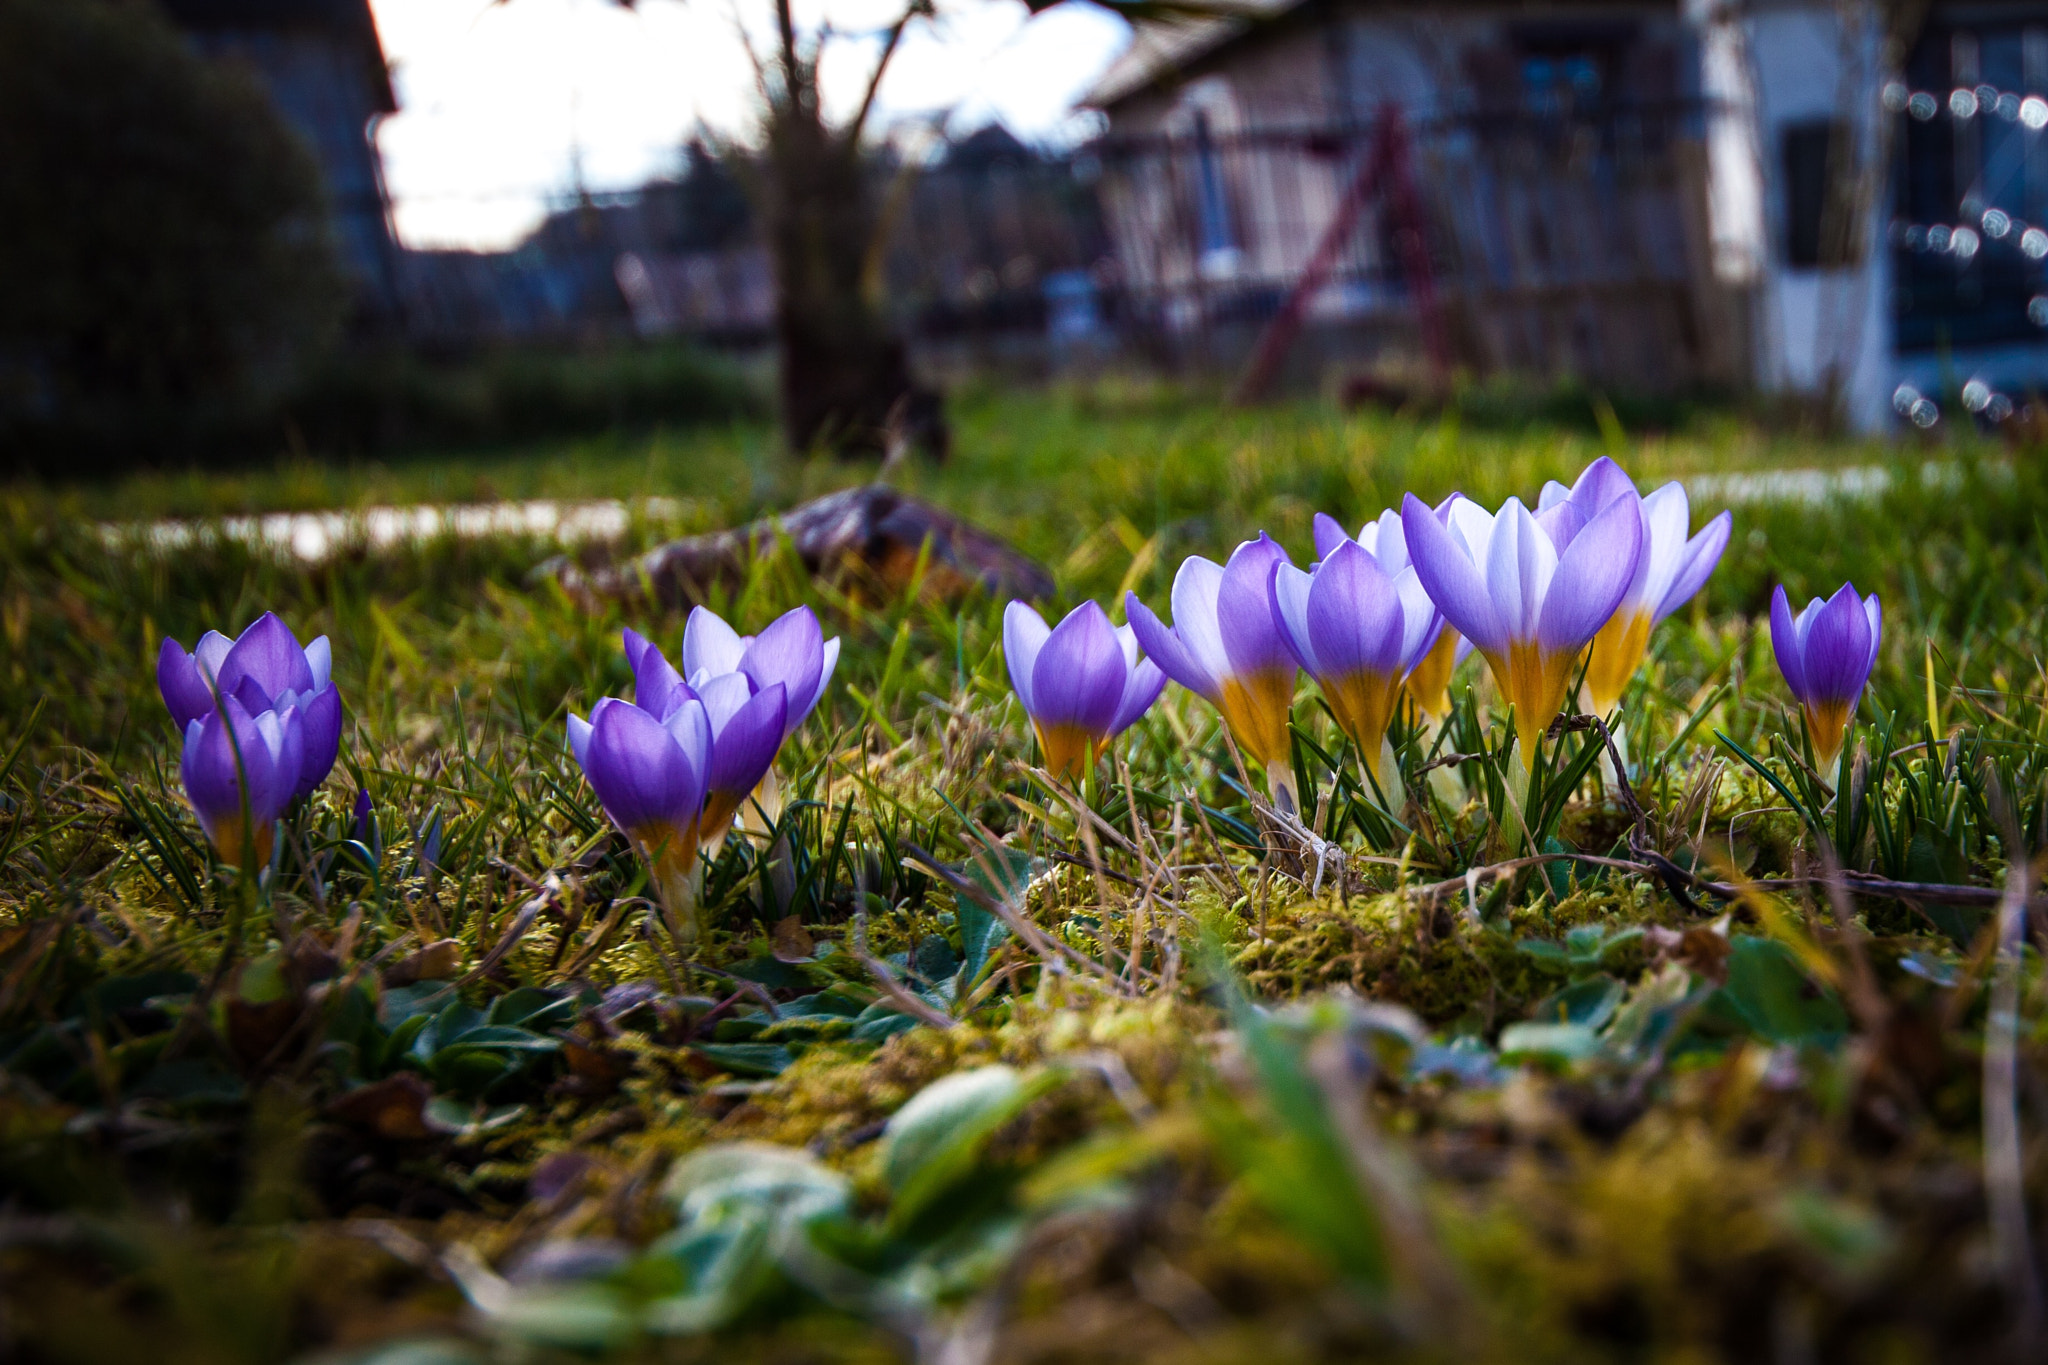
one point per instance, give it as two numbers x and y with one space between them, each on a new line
1082 683
1529 591
265 669
649 775
1826 655
1358 631
1225 646
1429 678
748 723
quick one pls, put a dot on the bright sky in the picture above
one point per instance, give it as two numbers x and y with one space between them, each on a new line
497 99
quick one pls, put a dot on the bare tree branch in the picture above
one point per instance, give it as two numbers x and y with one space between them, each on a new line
889 45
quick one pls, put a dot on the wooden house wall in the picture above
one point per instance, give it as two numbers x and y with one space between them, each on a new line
1562 247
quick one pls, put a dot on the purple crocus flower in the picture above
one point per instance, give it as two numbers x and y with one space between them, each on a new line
1826 655
1226 647
1671 570
1429 678
1082 682
650 776
1530 592
241 770
1357 630
265 669
792 651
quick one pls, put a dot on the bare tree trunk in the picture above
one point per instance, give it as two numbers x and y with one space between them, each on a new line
845 371
843 367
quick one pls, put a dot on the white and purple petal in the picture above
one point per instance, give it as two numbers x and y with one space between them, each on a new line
1079 675
1702 553
268 652
1837 649
320 732
1195 589
1354 615
1591 577
1445 564
1787 643
1142 686
186 695
1520 561
1289 590
1164 648
658 689
1329 534
1244 609
641 774
791 651
710 646
743 748
320 659
1024 634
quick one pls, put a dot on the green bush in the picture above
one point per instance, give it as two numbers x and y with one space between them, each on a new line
396 400
166 266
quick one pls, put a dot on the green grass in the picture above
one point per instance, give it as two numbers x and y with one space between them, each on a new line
223 1139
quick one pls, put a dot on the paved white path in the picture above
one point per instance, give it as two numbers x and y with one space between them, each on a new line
1817 485
313 536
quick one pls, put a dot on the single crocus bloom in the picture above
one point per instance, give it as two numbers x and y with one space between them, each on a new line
1671 570
1530 593
1357 630
1082 682
1826 655
265 668
1225 646
241 770
747 728
791 651
650 777
1429 678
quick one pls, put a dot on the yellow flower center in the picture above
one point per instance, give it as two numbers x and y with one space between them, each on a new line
1256 707
1363 702
1536 682
1069 750
231 841
1617 653
1826 724
1429 682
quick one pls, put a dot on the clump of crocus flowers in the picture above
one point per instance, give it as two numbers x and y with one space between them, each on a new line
696 746
1573 588
262 726
1826 654
1577 584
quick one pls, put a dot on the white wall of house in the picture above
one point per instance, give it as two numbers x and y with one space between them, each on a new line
1820 330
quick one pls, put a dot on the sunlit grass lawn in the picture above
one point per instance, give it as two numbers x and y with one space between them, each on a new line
1697 1171
1004 439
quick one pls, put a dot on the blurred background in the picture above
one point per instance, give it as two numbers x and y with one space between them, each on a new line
241 228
